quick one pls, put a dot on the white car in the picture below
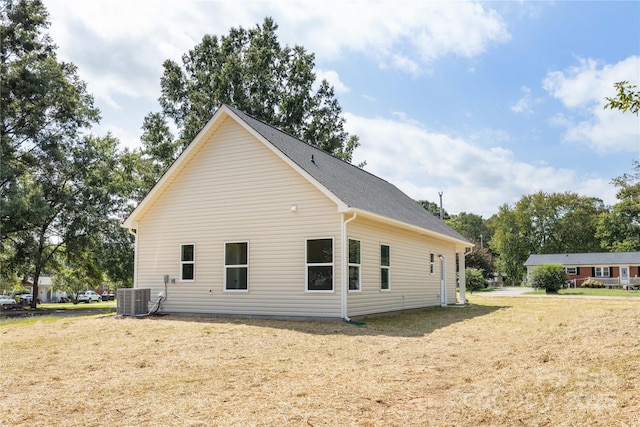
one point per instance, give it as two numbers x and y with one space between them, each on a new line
5 300
88 296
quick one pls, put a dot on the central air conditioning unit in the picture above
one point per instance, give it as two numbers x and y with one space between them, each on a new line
132 301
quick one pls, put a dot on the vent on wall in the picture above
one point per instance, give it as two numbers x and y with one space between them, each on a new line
133 301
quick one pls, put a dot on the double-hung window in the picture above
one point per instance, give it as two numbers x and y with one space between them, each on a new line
385 265
319 263
354 265
432 263
187 262
236 266
572 271
602 272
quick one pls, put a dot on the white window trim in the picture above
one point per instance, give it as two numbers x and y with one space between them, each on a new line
602 269
571 268
187 262
324 264
387 267
432 263
225 266
353 264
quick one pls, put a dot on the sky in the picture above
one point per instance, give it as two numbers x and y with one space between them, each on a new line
483 101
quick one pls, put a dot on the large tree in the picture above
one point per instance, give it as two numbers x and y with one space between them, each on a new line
57 183
619 229
248 69
544 223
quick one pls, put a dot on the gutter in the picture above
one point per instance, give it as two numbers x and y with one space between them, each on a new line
345 265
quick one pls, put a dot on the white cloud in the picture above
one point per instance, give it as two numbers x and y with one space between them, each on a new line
582 90
473 178
334 80
525 104
119 45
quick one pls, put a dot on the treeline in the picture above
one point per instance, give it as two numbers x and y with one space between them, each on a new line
547 223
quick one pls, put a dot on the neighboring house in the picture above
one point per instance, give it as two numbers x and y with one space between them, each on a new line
46 293
611 268
251 221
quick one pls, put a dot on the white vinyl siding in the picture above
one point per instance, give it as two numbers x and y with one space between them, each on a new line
235 189
410 287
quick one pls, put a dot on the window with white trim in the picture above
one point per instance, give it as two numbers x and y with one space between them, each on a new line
319 264
354 265
236 266
432 263
385 265
187 262
572 271
602 272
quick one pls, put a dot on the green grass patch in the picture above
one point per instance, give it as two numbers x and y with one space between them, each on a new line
600 292
79 306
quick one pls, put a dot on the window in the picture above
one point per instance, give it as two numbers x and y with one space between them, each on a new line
385 263
187 263
432 263
572 271
602 271
319 264
354 265
236 266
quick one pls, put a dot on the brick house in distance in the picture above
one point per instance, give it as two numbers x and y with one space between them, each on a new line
610 268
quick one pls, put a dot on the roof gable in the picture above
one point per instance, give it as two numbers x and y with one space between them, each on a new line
352 188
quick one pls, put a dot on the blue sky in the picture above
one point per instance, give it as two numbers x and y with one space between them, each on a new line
484 101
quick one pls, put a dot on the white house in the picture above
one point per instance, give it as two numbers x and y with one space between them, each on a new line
250 221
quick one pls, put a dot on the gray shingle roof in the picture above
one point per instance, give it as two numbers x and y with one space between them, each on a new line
356 187
590 259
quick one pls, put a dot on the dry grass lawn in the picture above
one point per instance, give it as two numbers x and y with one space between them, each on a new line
534 361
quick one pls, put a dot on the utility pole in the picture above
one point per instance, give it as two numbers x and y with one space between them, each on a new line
440 194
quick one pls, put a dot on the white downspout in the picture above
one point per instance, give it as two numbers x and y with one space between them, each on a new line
345 265
135 255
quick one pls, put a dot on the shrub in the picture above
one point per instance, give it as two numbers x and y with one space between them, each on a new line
475 279
549 277
592 283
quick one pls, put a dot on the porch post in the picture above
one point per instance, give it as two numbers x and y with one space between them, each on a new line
462 277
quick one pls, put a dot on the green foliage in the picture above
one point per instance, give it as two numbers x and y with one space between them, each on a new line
592 283
59 187
434 209
549 277
509 241
475 279
250 70
481 258
471 226
619 229
627 99
544 223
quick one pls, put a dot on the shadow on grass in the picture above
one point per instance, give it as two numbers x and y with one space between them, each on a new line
414 323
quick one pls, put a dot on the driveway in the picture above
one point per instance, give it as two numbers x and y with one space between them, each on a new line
508 291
